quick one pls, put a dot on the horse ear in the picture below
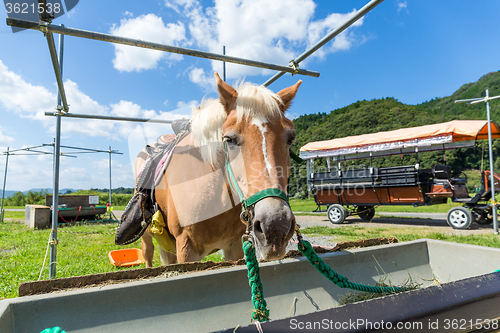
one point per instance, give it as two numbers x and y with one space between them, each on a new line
227 94
288 94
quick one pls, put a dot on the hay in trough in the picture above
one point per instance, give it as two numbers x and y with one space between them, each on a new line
101 279
353 297
384 281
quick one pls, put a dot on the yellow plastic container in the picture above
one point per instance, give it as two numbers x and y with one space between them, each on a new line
160 233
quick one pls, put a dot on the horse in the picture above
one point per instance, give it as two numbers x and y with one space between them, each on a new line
245 131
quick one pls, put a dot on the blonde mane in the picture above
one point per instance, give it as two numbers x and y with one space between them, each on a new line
206 121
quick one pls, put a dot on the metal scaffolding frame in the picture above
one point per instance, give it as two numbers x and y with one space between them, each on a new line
62 106
47 28
34 150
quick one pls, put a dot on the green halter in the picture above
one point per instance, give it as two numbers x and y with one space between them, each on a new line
253 199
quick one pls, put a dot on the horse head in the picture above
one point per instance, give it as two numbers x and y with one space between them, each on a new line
258 130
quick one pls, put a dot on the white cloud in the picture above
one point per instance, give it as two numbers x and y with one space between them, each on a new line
80 103
149 28
130 110
120 173
198 76
5 140
318 29
175 4
147 133
20 177
190 104
402 5
262 30
22 97
32 101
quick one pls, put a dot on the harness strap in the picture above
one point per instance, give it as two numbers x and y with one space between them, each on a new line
232 179
295 157
253 199
268 192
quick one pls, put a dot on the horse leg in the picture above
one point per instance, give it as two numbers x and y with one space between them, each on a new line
148 248
167 258
233 251
185 250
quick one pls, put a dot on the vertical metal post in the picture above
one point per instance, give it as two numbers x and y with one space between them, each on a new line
224 64
4 181
57 151
493 201
109 175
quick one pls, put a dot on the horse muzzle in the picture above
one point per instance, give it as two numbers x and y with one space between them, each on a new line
273 224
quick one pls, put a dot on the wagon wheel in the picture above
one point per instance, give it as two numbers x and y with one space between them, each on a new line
459 218
337 214
366 213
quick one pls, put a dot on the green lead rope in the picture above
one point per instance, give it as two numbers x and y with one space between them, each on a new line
306 249
53 330
260 311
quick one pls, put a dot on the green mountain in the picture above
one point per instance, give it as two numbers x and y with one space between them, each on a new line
388 114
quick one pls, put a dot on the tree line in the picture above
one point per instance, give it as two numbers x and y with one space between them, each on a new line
386 114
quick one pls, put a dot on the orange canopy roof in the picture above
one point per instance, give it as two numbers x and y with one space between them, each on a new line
452 131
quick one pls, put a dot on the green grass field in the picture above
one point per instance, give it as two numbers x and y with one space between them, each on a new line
83 249
403 234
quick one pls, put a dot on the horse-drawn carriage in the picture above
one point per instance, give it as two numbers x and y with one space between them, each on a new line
356 190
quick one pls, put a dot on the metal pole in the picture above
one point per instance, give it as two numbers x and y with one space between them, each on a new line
360 13
224 64
4 181
90 150
93 116
154 46
493 201
57 71
110 151
57 150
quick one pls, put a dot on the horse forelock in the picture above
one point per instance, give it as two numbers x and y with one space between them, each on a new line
253 102
257 102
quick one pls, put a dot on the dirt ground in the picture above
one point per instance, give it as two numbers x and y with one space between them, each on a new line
437 224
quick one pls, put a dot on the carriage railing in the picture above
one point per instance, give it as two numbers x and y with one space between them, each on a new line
400 175
370 176
352 176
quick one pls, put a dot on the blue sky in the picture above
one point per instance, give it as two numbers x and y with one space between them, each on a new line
412 50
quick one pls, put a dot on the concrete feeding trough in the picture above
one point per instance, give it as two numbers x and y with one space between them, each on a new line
296 294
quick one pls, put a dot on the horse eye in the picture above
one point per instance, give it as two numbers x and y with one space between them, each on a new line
291 141
229 140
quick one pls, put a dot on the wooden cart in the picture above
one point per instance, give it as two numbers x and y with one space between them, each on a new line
356 190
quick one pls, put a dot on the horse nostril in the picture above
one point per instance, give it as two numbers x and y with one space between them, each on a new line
257 227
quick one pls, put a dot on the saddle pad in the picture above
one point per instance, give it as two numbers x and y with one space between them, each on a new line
162 165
